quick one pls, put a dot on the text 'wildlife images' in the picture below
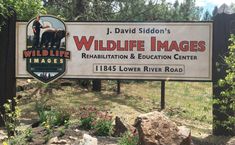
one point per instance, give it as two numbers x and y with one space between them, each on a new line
46 48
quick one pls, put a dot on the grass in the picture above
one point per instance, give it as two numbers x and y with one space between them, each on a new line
188 103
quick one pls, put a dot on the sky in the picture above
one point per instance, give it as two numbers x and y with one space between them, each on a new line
208 4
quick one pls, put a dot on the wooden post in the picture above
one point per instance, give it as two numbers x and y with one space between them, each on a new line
118 87
221 32
96 85
162 95
7 63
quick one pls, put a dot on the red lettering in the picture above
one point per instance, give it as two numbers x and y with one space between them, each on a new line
84 42
174 46
153 43
193 46
184 46
67 54
45 53
27 53
111 45
140 45
62 53
163 45
132 45
101 46
201 46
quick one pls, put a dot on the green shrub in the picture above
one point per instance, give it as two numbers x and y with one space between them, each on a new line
28 134
11 116
103 127
86 122
227 101
50 117
53 117
20 138
128 139
100 122
87 116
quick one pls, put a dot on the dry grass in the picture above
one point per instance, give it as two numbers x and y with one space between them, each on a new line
187 103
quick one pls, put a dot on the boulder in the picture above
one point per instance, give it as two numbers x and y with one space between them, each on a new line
120 127
55 141
231 141
88 140
3 135
156 129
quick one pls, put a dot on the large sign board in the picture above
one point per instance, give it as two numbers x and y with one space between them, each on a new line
115 50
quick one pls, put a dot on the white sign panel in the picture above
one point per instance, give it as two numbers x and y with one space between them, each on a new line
110 50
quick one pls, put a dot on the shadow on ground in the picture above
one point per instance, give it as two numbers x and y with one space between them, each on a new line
214 140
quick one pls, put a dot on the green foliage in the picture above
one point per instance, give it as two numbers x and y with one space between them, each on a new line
28 134
21 138
25 9
124 10
128 139
103 127
48 135
87 117
227 102
62 132
11 116
50 117
207 16
86 122
232 7
98 121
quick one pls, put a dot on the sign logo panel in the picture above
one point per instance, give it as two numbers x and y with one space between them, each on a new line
45 52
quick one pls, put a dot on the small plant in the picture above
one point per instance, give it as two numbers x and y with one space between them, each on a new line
87 117
28 134
227 101
50 117
128 138
47 137
20 138
61 132
100 122
66 124
103 127
10 116
86 122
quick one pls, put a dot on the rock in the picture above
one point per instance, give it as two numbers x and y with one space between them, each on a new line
231 141
73 138
107 140
62 141
88 140
185 132
120 127
56 141
156 129
3 135
52 140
